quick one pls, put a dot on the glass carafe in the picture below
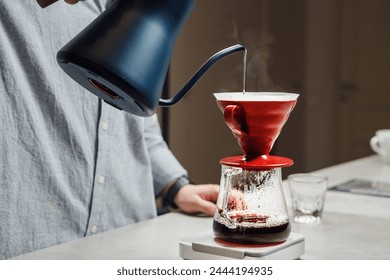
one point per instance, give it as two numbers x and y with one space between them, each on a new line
251 207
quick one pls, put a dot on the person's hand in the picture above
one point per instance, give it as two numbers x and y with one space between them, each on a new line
197 198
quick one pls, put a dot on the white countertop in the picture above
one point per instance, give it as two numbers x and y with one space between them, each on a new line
353 227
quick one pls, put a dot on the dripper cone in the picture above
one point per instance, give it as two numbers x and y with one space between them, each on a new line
256 118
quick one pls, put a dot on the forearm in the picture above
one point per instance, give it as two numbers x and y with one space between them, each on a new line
165 167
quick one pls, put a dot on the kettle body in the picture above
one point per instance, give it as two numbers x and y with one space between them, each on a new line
123 55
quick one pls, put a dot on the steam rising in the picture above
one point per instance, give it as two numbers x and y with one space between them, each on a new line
258 42
259 58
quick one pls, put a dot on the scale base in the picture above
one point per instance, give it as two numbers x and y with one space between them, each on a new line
204 246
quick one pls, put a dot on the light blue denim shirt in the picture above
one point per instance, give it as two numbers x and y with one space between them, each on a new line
70 165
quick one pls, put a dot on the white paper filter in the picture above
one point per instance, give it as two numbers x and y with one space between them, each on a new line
256 96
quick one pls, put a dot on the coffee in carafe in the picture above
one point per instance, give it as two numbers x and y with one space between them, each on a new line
251 207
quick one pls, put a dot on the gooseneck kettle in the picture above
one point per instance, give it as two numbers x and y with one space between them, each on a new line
124 54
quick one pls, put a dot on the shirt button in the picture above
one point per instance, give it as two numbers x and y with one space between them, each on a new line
94 229
105 126
101 180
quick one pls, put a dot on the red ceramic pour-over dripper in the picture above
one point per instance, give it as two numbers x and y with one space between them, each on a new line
256 119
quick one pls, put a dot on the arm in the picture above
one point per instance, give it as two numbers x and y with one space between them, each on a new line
165 167
167 170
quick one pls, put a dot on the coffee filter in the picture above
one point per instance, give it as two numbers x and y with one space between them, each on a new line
256 96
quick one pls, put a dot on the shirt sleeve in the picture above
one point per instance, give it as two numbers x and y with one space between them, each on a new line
165 166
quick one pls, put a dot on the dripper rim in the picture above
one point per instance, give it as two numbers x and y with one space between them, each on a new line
256 96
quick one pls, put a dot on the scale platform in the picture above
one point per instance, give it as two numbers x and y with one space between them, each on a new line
204 246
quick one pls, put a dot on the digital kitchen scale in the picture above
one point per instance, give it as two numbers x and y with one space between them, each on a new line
204 246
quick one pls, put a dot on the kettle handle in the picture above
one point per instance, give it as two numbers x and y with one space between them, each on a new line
231 113
201 71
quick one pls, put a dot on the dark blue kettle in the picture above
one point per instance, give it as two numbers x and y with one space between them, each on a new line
123 55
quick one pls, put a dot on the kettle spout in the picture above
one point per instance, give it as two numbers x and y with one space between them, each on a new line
201 71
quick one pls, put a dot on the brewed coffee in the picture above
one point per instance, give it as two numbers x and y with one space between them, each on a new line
251 228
